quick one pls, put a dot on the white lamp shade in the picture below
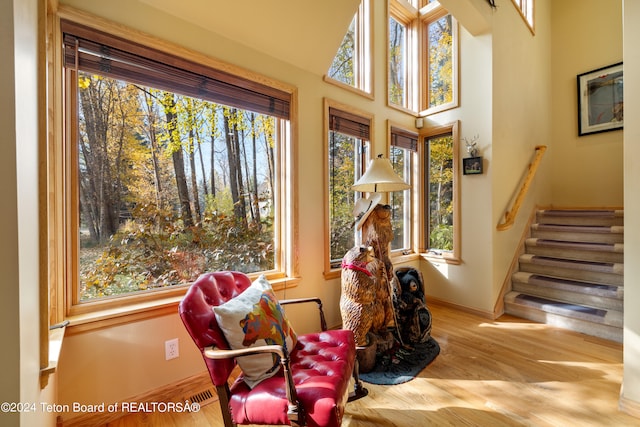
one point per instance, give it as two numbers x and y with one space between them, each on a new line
379 178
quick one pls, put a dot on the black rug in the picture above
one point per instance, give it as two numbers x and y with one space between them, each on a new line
400 365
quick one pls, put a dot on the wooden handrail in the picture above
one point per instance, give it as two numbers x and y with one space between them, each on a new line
510 215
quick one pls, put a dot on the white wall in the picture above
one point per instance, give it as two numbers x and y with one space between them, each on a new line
586 170
631 377
469 284
19 292
521 121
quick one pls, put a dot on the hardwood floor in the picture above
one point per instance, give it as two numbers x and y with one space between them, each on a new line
507 372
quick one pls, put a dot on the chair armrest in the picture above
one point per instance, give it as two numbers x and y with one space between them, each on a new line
219 353
318 301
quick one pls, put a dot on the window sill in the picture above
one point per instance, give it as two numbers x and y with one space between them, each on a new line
399 257
118 315
435 259
347 87
56 337
108 317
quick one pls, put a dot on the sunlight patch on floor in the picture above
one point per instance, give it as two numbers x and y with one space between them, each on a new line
515 325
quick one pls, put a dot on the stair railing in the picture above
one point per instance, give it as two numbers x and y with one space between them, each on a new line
510 215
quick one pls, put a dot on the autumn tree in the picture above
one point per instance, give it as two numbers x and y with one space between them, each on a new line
150 129
139 195
398 157
397 58
341 196
342 67
264 130
440 62
232 124
175 149
106 148
191 123
441 192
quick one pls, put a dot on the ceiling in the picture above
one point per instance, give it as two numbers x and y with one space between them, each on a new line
304 33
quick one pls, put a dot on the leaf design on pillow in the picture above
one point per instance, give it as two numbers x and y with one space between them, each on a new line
266 321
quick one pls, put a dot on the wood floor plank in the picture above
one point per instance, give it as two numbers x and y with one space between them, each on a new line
507 372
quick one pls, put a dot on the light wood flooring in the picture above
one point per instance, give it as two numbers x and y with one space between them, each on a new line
507 372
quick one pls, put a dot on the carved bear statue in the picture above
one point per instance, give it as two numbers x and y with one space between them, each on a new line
359 288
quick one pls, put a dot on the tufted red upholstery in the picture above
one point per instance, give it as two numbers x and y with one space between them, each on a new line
321 363
197 314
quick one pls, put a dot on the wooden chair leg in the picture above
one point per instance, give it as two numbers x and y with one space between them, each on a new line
359 390
223 397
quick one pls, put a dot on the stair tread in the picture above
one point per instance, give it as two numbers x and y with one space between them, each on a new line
605 290
604 267
592 314
599 229
608 213
586 246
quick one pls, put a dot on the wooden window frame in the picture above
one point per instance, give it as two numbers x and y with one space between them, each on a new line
527 11
331 108
363 56
454 256
409 141
428 14
408 16
64 304
416 21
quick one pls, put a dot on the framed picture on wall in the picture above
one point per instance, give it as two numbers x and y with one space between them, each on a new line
472 165
600 102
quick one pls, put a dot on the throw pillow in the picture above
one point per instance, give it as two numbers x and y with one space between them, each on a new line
255 318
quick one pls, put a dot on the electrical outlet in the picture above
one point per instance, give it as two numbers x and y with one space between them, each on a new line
171 349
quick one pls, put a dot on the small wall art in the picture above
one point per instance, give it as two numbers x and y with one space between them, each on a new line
600 101
472 165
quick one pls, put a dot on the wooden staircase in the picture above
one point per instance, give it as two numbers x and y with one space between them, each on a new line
571 272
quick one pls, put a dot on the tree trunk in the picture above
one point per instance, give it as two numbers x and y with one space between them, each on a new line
247 179
192 160
98 199
212 137
178 159
256 191
153 139
205 187
235 176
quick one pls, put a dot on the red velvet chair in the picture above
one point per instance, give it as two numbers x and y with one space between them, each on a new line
311 387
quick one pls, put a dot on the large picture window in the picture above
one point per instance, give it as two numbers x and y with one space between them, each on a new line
174 169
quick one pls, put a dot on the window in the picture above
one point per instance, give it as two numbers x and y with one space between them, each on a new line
430 84
526 9
440 69
401 55
348 138
404 146
352 64
398 63
441 187
173 168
